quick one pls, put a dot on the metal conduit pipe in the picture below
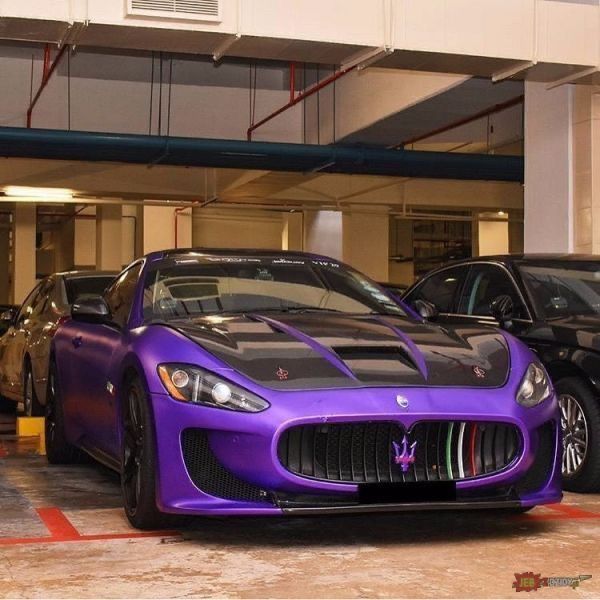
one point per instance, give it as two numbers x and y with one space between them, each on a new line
268 156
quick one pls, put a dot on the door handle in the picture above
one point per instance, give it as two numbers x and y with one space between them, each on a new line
77 341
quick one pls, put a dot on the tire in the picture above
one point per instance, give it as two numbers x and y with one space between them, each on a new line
58 450
138 461
580 421
31 404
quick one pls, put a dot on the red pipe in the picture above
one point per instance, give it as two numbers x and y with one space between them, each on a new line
46 61
292 81
300 97
484 113
47 73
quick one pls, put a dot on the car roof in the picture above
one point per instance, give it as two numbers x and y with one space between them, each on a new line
529 258
87 274
258 252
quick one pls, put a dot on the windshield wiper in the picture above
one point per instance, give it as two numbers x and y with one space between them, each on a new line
291 309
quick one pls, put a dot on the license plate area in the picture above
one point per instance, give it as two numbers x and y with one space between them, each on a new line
409 492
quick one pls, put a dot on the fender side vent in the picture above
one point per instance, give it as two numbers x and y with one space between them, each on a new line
209 475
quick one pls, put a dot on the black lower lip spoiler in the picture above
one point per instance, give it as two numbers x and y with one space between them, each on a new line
399 507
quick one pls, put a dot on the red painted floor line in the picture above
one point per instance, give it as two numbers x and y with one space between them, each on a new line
58 525
563 512
62 530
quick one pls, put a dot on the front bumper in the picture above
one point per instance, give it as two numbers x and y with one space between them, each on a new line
244 447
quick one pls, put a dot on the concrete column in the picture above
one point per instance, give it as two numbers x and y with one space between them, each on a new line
23 251
562 168
108 237
292 234
323 233
548 169
4 266
586 169
84 253
64 246
492 237
366 241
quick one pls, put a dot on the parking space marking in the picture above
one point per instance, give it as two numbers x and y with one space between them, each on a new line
562 512
62 530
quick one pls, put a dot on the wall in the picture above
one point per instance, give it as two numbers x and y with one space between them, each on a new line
213 228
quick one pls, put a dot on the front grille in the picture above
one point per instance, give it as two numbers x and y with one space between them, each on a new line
374 452
209 475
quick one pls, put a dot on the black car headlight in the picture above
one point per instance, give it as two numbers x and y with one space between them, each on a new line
188 383
535 386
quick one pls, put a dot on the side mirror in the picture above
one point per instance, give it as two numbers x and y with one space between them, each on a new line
90 309
502 309
8 316
427 310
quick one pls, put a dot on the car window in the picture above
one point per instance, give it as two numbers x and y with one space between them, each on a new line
119 296
81 286
41 302
564 289
441 288
486 282
29 303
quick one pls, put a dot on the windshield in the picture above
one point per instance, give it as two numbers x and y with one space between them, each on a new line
564 290
187 287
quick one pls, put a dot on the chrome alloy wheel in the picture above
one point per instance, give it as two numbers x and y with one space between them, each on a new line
575 434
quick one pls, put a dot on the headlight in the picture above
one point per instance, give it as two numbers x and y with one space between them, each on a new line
535 387
197 386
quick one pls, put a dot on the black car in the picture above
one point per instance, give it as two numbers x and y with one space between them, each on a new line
396 289
552 303
25 346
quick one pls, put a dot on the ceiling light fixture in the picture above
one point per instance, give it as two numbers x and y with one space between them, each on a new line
17 191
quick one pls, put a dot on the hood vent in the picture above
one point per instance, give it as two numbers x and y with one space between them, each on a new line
385 354
196 10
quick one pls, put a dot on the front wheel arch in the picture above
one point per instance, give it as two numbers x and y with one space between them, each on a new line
559 370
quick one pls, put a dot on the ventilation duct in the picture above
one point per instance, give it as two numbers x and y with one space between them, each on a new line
196 10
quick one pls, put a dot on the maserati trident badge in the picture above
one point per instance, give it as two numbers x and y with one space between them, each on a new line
479 372
402 401
404 455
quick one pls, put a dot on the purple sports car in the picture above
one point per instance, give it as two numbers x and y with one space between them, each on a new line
267 383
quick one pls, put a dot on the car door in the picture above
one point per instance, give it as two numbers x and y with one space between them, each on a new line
484 283
12 346
96 349
50 312
442 288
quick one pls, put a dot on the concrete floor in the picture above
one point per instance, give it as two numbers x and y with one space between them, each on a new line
63 534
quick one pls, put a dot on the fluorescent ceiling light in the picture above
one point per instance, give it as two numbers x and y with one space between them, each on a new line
17 191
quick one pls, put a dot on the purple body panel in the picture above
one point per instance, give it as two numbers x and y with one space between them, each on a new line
92 369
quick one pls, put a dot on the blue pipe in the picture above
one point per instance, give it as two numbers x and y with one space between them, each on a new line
197 152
